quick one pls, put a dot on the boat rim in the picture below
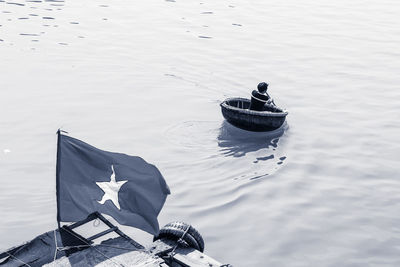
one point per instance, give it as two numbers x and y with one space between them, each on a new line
252 112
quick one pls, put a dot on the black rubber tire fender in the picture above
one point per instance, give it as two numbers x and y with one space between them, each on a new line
192 231
175 230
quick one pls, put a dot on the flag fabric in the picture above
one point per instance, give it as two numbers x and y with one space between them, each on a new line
127 188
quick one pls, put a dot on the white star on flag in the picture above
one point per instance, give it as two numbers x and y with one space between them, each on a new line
111 189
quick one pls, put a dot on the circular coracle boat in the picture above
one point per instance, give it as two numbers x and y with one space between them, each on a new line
236 111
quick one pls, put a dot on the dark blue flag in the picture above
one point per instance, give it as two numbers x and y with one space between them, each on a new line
127 188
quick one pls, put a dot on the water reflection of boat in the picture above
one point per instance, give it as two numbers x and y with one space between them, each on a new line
237 142
236 111
262 153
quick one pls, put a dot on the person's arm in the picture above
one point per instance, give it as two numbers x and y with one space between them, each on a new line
270 101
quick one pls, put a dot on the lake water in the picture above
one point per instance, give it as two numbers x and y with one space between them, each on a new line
147 78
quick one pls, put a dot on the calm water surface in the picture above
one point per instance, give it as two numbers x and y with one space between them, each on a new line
147 78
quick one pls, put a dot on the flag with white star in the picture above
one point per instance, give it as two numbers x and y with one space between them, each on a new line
125 187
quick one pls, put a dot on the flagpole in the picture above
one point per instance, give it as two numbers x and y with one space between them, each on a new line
58 175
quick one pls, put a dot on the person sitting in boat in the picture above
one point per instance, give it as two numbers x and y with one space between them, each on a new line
260 98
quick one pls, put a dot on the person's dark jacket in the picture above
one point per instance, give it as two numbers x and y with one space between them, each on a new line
258 100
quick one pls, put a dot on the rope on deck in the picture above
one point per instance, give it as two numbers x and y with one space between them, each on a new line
87 245
180 241
18 259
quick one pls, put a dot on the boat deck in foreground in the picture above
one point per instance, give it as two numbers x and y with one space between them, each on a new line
65 247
